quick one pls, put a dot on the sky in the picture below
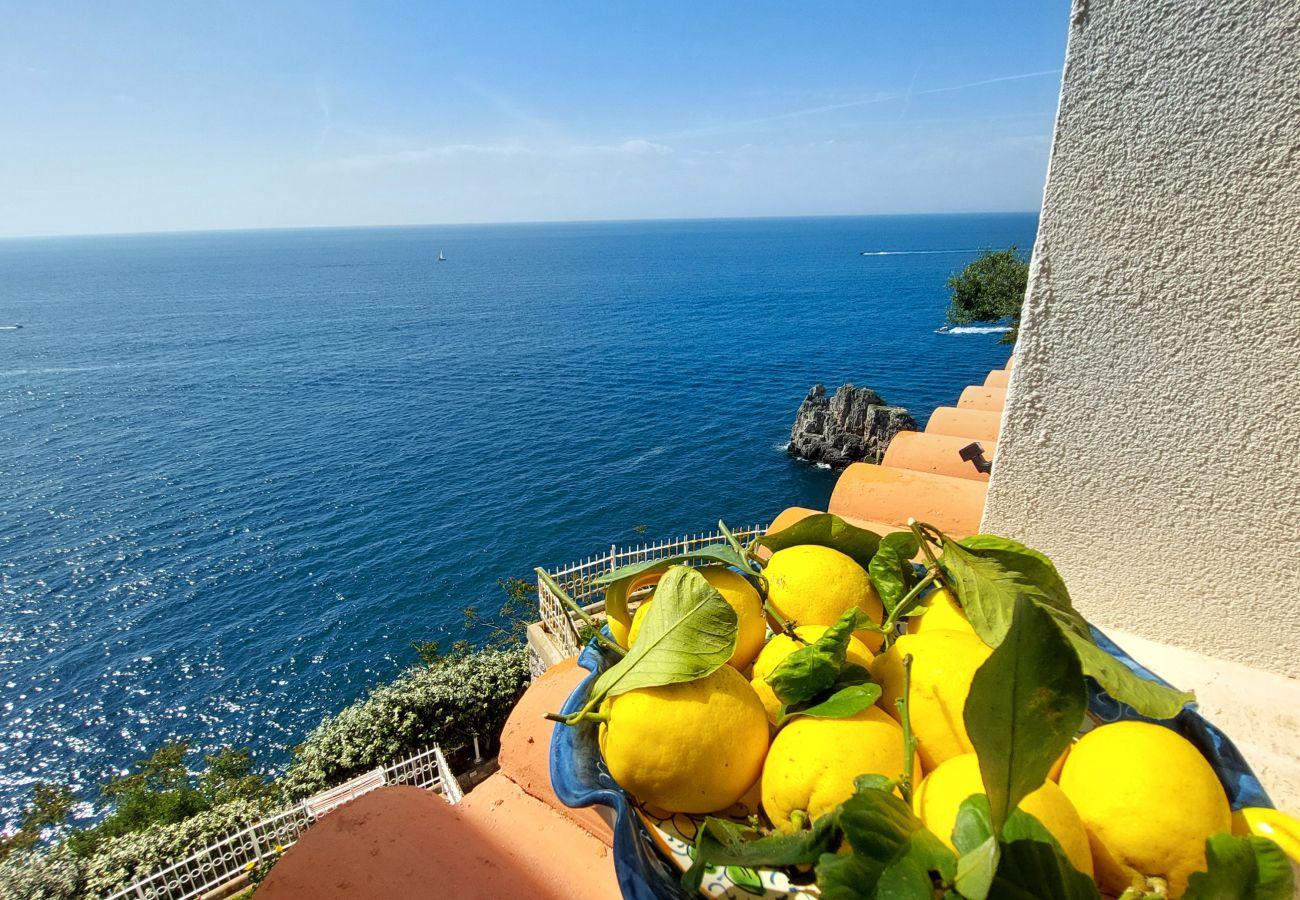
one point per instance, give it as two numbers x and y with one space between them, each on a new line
162 116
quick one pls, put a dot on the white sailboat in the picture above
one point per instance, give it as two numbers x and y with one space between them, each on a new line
441 258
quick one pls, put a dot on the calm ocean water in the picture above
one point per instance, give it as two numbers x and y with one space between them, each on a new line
241 472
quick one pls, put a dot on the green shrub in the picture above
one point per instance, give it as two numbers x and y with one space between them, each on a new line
990 289
121 860
31 874
446 703
161 791
48 808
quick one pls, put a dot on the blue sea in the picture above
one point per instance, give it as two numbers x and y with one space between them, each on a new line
241 472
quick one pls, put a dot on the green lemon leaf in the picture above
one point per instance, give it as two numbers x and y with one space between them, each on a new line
976 868
1242 868
1038 870
891 568
1030 864
845 702
847 877
988 573
814 668
618 581
725 843
973 826
828 531
1148 697
1025 703
719 553
873 782
987 579
688 633
886 836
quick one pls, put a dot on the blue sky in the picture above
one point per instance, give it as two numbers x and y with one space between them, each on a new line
141 116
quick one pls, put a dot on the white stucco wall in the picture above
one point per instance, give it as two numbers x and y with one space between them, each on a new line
1151 438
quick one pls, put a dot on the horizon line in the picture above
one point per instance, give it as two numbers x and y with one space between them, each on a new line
473 224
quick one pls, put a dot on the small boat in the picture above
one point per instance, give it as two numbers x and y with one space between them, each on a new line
441 258
10 327
972 329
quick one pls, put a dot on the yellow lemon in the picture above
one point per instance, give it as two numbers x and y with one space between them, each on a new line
940 796
813 585
695 747
1054 773
810 769
1273 824
781 646
1149 800
619 629
942 614
638 618
943 664
751 624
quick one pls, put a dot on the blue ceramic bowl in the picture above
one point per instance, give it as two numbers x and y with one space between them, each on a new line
580 777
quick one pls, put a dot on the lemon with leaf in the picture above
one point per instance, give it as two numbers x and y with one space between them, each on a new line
751 626
690 747
781 646
1149 800
812 763
809 584
943 665
939 797
941 614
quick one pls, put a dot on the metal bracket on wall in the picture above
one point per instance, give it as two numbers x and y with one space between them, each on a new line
973 453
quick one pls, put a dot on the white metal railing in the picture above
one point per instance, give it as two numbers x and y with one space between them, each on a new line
578 579
230 857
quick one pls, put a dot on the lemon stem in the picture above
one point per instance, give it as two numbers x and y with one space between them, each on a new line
736 545
799 819
783 625
905 605
553 586
909 740
582 715
923 538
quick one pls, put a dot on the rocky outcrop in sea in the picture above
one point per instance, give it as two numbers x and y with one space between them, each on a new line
854 425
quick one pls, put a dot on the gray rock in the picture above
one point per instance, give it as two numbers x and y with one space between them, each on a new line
854 425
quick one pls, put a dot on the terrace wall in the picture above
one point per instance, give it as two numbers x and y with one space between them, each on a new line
1151 433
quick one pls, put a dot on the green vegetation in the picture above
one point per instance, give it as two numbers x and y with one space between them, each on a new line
161 812
162 792
504 630
49 808
446 703
990 289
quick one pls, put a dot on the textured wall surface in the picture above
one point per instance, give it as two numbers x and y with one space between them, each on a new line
1151 438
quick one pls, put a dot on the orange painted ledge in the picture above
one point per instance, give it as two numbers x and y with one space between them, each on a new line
954 505
404 842
938 454
998 378
526 745
980 397
974 424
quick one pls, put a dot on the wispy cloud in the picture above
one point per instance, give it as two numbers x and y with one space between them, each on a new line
423 155
741 124
326 108
507 108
